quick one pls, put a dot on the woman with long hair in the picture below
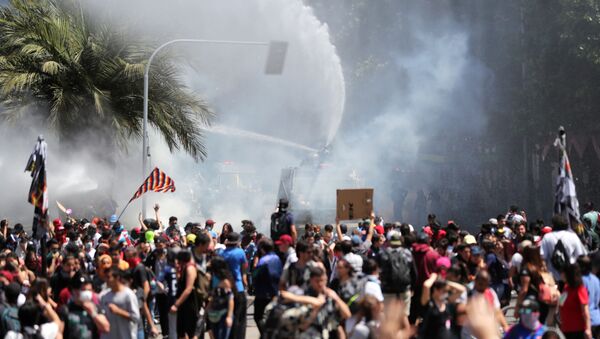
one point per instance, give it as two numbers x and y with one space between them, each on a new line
534 277
227 228
186 305
574 311
220 303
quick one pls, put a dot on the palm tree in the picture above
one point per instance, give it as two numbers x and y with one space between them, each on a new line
87 77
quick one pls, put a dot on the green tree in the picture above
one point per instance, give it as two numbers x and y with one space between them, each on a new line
85 76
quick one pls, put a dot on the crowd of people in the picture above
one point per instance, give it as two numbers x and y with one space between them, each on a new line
514 278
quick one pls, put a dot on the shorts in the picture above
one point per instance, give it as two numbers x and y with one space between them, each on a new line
187 319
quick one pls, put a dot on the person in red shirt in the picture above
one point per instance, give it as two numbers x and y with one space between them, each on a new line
574 311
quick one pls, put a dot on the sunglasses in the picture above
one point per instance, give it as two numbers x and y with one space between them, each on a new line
526 311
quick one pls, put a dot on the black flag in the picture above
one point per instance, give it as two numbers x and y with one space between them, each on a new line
38 192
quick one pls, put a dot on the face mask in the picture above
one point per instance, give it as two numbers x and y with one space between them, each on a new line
530 320
85 296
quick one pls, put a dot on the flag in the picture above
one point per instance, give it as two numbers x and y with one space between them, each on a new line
38 192
565 197
157 181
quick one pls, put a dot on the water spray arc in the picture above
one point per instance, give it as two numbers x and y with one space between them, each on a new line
220 129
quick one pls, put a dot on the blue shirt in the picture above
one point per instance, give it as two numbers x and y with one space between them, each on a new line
592 284
266 276
235 258
519 331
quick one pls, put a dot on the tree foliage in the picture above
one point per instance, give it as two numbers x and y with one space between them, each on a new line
83 75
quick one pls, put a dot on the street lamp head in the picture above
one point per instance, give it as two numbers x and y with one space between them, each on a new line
276 57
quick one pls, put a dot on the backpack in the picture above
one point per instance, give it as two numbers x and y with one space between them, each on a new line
202 287
279 225
395 271
75 328
560 257
9 320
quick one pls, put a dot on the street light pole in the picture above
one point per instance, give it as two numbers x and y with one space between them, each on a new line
276 57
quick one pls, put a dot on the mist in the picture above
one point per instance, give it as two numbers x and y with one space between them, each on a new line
429 85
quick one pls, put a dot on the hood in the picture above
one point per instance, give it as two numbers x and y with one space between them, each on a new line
420 248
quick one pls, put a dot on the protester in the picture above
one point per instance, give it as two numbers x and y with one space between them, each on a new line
560 247
267 274
121 307
221 303
337 281
186 305
238 265
574 305
436 314
529 326
592 285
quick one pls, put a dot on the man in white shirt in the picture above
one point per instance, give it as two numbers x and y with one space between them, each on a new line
571 242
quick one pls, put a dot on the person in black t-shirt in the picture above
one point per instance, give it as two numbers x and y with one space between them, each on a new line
83 310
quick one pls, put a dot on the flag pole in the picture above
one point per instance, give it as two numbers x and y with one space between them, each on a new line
123 211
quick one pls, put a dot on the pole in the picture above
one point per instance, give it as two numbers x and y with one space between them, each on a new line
123 211
145 145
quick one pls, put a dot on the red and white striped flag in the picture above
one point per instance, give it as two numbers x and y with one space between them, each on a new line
157 181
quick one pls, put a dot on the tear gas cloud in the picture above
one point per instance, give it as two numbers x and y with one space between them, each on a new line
438 90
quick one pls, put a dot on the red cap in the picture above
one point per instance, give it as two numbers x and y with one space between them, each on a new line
284 239
546 229
210 222
58 224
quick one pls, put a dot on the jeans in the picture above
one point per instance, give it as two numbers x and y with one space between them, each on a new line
220 330
238 330
260 303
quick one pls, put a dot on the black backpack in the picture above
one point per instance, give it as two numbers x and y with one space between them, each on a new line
395 271
560 257
279 225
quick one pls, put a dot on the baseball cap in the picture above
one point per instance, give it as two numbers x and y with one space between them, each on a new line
57 223
113 219
395 238
191 238
546 229
356 241
469 239
529 304
284 239
210 222
476 250
443 262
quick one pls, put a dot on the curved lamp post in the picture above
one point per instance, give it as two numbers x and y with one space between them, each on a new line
274 65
